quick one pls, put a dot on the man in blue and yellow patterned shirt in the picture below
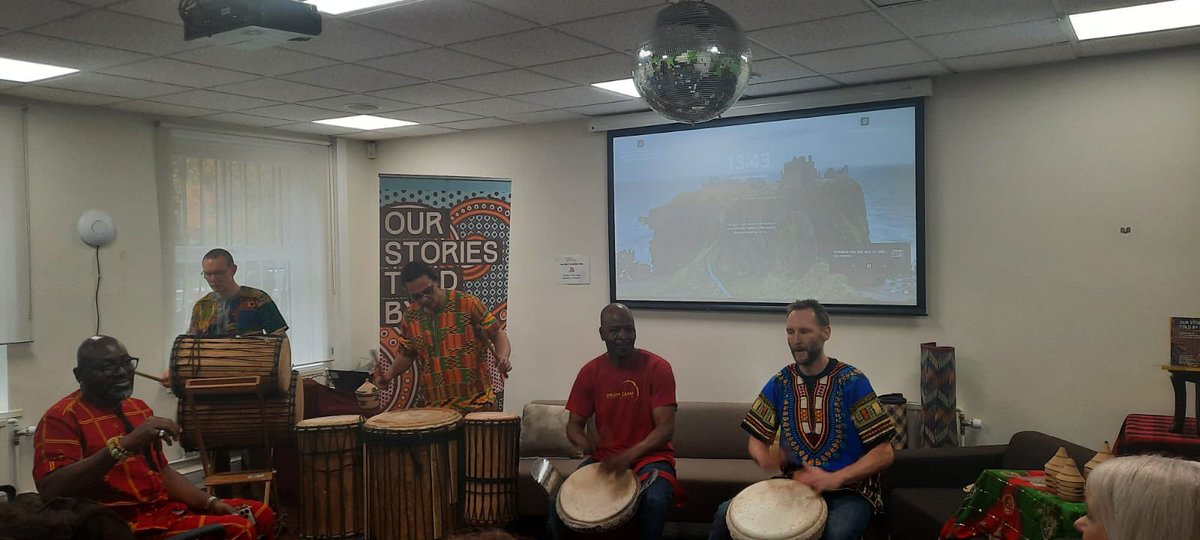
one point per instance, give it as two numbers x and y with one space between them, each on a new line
834 434
232 309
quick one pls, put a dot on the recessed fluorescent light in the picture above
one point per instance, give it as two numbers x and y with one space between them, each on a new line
623 86
22 71
1136 19
366 121
338 7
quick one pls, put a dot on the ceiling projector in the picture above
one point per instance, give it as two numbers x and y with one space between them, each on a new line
249 24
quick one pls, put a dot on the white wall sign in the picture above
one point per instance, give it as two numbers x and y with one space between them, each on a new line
574 270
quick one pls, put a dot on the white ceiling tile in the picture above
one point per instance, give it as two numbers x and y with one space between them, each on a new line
532 47
865 57
495 107
411 131
161 109
1157 40
1009 37
214 100
430 94
1040 55
96 3
758 51
543 116
339 104
18 14
121 31
296 113
826 34
270 62
619 32
755 14
166 70
894 73
246 120
58 52
777 69
620 107
608 67
351 78
319 129
56 95
944 16
351 42
556 11
789 87
442 22
482 123
429 115
509 82
435 64
1084 6
160 10
111 85
277 90
576 96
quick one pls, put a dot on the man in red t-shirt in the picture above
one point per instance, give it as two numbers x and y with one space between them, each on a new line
632 393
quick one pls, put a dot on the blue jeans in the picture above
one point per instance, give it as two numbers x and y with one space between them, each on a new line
849 514
652 508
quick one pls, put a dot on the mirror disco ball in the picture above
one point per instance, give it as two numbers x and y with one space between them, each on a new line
694 64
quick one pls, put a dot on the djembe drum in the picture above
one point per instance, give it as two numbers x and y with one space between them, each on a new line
413 473
268 357
777 509
331 473
493 441
591 501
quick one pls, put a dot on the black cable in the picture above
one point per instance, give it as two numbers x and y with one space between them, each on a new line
97 290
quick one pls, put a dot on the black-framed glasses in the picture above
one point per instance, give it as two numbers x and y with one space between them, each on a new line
109 369
210 275
421 294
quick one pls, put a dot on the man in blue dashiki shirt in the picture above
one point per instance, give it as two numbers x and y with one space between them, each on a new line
834 434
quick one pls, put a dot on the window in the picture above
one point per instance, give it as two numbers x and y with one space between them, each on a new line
267 202
15 302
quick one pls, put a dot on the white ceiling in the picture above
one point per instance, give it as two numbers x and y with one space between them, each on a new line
455 65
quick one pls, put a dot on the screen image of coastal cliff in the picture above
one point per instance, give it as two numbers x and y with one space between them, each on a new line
817 207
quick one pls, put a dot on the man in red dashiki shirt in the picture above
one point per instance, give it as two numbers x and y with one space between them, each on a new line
102 444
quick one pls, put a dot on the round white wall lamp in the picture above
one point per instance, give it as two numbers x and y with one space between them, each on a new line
96 228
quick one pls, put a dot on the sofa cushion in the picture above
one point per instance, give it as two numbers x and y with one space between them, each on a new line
919 513
709 482
710 430
1032 449
544 431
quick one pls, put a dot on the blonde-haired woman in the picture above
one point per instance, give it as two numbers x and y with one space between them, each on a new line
1143 497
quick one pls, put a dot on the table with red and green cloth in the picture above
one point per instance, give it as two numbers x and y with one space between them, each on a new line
1013 505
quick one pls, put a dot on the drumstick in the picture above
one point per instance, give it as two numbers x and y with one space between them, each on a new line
148 376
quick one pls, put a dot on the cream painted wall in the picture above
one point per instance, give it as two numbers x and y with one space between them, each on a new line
1060 321
81 159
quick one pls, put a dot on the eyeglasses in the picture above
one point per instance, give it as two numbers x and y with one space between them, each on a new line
210 275
109 369
421 294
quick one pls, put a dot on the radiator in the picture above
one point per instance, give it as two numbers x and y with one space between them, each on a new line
16 451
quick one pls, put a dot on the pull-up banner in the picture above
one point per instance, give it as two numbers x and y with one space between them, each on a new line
459 226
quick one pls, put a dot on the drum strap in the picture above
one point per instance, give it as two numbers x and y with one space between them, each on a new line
680 494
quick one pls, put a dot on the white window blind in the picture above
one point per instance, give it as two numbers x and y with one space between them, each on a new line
267 202
15 323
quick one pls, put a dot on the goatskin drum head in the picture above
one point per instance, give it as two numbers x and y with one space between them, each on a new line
413 419
591 496
777 509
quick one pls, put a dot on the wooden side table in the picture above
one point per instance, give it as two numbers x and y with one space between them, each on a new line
1180 376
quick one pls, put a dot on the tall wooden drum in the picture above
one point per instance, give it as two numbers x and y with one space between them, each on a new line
493 444
269 357
413 474
777 509
331 477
